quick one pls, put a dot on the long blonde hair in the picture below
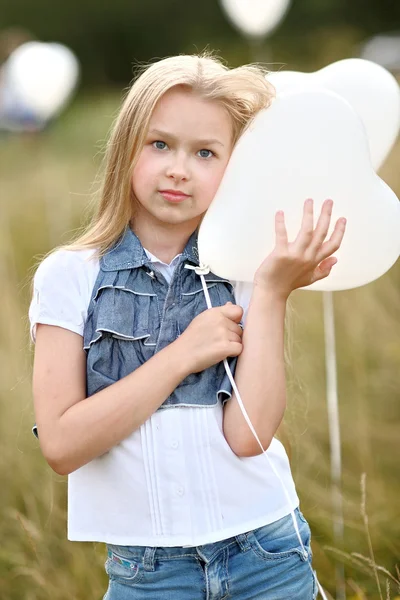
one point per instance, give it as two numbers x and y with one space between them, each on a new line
243 91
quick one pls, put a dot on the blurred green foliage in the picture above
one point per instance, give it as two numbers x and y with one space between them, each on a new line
108 37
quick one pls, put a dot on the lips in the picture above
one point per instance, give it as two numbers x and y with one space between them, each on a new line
174 195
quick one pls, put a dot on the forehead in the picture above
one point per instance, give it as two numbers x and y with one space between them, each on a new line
183 112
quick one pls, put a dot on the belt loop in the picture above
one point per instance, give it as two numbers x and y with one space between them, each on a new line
243 541
148 558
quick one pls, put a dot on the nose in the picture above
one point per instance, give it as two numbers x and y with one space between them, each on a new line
177 167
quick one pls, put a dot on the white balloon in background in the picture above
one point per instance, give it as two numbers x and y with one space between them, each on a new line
383 49
372 91
255 18
42 77
309 144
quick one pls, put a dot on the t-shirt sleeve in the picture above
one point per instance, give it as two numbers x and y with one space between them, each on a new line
61 293
242 292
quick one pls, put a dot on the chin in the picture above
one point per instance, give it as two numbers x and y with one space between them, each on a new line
178 217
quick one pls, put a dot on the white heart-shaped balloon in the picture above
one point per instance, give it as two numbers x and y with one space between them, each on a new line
371 90
42 77
255 18
309 144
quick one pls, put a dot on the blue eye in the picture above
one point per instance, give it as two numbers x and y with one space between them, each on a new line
204 150
159 142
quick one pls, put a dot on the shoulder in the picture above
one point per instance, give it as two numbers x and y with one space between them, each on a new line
68 260
62 288
69 267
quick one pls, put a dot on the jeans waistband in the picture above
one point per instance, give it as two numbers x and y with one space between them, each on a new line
207 552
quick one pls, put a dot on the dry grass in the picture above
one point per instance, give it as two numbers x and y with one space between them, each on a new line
45 183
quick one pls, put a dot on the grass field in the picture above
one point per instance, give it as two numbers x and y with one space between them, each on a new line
45 184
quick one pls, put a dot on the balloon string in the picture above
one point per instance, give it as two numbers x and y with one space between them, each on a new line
201 271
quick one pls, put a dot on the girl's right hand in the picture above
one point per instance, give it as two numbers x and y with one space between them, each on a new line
212 336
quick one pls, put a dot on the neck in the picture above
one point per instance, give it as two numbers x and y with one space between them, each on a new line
165 241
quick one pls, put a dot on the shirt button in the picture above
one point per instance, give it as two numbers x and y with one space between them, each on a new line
174 444
180 490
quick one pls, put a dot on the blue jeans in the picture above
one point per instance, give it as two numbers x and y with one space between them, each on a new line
267 563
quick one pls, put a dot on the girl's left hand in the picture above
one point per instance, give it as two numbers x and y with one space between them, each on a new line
307 259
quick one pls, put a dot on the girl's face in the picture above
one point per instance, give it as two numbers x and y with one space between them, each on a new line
187 149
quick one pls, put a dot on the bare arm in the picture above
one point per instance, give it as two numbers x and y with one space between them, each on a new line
259 376
74 429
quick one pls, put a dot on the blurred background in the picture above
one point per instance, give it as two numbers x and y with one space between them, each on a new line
49 160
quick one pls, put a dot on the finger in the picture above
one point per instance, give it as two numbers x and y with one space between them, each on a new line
304 237
234 320
324 269
235 348
236 329
233 312
322 227
280 230
234 337
334 242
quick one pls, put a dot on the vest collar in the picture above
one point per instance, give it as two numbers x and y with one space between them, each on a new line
128 252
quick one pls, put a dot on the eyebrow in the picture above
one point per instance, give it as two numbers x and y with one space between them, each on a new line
172 137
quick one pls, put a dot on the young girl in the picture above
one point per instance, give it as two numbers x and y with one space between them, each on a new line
130 392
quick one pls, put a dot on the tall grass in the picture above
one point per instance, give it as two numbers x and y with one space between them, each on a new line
45 190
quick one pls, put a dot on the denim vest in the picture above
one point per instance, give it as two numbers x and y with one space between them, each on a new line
134 313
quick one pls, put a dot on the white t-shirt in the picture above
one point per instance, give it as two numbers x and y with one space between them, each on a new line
174 481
